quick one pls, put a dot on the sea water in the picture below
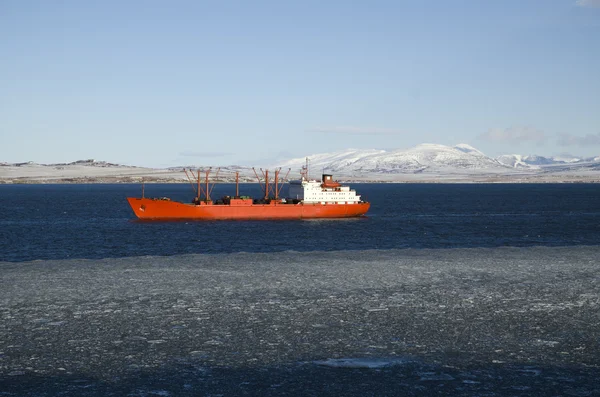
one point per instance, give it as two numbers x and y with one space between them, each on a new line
441 290
95 221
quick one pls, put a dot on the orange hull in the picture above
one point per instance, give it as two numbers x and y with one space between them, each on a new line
145 208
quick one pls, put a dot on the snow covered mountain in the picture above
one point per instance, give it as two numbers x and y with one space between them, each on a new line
517 161
331 161
422 158
536 162
426 162
463 147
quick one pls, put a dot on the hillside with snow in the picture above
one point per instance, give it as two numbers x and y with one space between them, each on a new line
535 162
516 161
422 163
425 158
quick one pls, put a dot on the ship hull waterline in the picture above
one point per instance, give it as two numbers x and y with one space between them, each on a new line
156 209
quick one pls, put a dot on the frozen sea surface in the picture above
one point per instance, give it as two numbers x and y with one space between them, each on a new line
471 322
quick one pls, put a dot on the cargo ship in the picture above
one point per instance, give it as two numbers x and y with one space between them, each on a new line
307 199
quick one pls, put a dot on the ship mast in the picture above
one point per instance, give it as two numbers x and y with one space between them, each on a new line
206 181
210 189
278 188
269 188
258 178
198 189
267 184
276 180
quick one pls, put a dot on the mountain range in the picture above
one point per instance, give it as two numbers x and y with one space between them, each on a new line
433 158
422 163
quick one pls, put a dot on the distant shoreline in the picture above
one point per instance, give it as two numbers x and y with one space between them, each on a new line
90 172
398 179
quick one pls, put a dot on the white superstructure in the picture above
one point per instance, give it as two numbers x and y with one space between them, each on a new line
325 192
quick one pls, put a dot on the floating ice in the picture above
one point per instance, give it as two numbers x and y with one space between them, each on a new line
160 392
361 362
136 338
432 376
531 371
251 317
156 341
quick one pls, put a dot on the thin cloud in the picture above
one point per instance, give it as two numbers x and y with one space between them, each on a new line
588 3
573 140
514 135
204 154
350 130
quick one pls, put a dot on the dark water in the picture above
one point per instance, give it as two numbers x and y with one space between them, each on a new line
95 221
457 290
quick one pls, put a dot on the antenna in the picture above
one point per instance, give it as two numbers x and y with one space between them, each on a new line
304 171
307 169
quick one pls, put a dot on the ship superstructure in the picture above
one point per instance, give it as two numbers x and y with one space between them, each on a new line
326 191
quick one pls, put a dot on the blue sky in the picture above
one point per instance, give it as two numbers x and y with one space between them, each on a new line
159 83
